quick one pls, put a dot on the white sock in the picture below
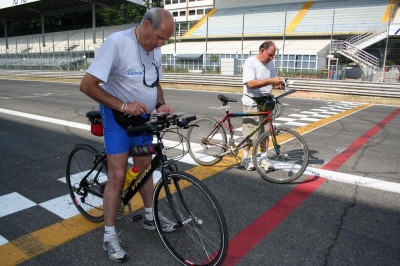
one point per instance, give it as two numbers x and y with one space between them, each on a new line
264 156
246 153
148 213
108 231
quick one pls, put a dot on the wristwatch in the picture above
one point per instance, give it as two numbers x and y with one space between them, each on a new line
158 105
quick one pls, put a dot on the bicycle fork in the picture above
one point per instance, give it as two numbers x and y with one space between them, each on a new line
168 195
275 132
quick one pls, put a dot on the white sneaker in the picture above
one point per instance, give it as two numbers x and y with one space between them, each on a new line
247 164
167 225
114 249
266 165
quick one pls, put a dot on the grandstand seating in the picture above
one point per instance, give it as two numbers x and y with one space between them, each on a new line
347 17
62 48
72 40
258 20
350 17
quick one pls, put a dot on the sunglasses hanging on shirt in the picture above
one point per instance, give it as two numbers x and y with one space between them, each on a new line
155 83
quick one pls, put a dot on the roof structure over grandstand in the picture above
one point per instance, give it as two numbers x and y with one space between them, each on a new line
28 10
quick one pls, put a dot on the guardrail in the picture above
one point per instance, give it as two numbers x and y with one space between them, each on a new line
314 85
362 88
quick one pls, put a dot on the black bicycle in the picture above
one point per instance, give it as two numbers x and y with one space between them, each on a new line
200 236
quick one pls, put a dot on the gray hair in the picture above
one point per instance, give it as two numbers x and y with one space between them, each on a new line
155 16
266 45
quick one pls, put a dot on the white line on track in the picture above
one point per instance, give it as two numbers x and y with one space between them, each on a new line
341 177
46 119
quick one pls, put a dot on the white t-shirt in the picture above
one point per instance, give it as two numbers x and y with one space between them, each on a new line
119 64
253 69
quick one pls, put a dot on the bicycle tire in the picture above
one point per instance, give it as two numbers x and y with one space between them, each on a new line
80 160
204 153
292 161
203 238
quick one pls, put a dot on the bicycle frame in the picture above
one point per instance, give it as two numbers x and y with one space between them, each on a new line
246 141
159 158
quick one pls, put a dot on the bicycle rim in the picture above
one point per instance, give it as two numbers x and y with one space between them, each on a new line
80 161
291 161
206 151
203 238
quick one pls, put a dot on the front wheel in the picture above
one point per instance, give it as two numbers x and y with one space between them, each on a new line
284 162
86 182
201 234
207 141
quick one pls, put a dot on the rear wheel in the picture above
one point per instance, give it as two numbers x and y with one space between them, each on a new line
201 234
206 143
86 190
287 161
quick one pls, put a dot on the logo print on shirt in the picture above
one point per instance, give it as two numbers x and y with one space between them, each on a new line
133 72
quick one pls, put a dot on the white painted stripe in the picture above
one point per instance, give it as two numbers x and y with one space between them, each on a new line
285 119
322 116
309 119
338 106
318 110
307 112
3 241
298 124
14 202
336 110
46 119
297 115
61 206
188 159
222 107
353 179
344 108
331 109
330 113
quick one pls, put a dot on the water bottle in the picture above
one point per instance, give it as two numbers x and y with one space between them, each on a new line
131 174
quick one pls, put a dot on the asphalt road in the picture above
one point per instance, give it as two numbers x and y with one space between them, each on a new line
343 211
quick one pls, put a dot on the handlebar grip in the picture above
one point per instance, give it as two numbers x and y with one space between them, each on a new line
132 129
285 94
190 118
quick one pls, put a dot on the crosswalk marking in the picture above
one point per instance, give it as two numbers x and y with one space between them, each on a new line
14 202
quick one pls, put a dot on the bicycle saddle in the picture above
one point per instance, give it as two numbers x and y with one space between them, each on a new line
225 99
93 116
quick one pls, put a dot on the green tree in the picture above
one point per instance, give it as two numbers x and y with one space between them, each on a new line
126 14
153 3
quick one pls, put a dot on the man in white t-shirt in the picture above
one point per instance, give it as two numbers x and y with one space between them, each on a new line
129 66
259 76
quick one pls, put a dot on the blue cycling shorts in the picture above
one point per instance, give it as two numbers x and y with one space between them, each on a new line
116 139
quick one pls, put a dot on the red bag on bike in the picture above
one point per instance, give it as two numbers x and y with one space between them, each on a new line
97 129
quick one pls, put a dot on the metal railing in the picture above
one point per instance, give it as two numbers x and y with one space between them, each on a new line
362 57
346 87
375 31
313 85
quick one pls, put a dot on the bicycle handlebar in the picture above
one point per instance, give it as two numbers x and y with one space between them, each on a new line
161 121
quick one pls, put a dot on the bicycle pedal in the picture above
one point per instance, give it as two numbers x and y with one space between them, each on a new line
136 218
